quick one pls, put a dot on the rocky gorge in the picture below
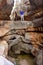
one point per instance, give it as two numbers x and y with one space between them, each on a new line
22 41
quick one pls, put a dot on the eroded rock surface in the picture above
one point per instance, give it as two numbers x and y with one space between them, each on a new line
22 36
5 10
3 48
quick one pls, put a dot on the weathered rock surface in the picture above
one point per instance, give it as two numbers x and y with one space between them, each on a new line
3 31
7 5
3 48
5 10
21 36
36 4
39 57
19 33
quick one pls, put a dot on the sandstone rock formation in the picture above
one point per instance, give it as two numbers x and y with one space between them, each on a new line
21 35
5 10
3 48
35 11
26 36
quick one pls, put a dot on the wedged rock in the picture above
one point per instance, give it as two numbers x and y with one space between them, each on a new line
27 25
21 24
16 24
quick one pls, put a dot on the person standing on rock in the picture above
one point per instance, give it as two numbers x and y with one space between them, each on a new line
17 8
